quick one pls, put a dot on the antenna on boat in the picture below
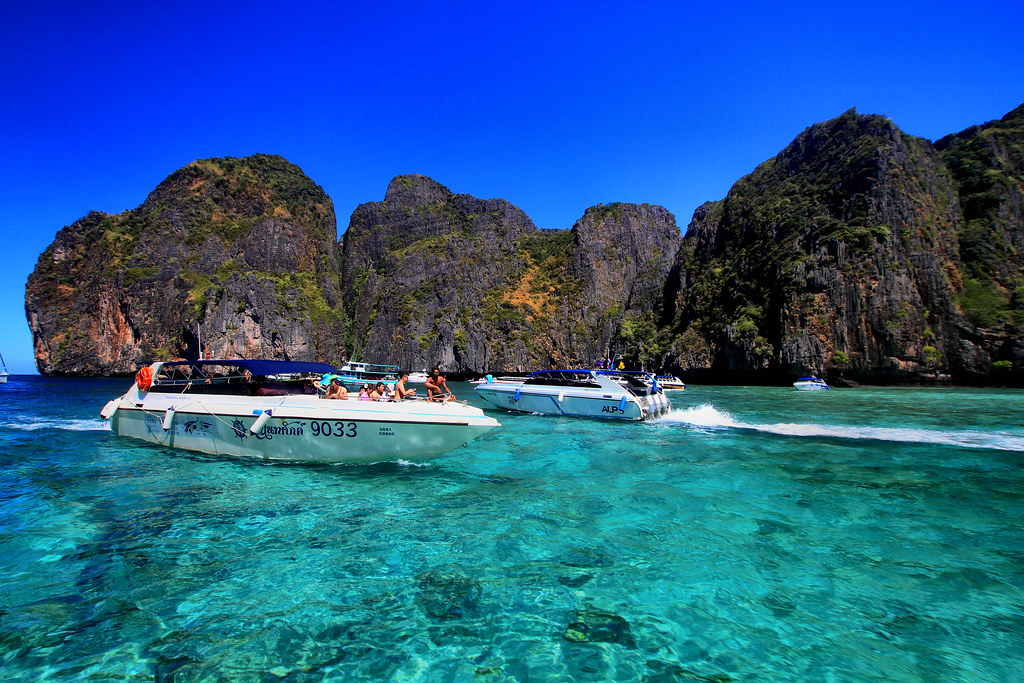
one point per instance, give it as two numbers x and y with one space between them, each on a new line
199 338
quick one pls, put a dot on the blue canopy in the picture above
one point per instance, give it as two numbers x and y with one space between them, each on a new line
261 367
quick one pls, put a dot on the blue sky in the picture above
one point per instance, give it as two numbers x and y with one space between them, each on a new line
555 107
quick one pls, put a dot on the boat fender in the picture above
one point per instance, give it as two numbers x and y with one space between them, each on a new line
561 395
622 403
260 421
110 408
516 397
168 418
490 380
144 378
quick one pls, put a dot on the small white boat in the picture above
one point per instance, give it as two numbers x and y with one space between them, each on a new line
810 384
355 374
3 373
578 393
418 377
271 410
671 383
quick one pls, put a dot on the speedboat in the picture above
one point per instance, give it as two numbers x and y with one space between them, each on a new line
354 375
271 410
670 383
420 377
810 384
578 393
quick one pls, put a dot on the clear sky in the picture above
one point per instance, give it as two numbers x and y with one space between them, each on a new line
553 106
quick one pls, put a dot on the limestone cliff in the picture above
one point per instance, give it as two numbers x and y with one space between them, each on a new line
242 249
432 277
841 256
858 252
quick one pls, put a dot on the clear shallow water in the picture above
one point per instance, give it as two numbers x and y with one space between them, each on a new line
751 534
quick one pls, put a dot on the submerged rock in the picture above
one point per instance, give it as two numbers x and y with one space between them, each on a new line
447 593
587 558
599 627
575 581
664 672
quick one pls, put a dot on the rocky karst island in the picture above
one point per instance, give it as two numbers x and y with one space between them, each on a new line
858 252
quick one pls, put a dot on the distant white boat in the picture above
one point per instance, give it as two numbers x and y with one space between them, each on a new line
3 373
418 377
355 374
810 384
671 383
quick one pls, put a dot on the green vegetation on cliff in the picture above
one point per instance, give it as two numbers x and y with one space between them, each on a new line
988 164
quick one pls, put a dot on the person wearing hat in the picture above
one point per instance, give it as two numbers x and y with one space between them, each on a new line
336 390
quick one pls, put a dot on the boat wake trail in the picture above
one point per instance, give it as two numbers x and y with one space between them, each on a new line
708 417
35 423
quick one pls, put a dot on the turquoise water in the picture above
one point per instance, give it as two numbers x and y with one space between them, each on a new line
753 534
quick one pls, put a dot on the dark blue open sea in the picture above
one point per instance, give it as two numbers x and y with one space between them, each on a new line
754 534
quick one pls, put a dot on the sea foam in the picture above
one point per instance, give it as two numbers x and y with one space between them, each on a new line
706 416
34 424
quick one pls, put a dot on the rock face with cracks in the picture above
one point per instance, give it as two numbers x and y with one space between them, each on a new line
240 253
849 254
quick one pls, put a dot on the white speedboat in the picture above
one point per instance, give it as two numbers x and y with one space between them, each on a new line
810 384
671 383
271 410
578 393
418 377
354 375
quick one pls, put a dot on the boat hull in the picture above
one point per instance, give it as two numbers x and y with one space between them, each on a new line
305 429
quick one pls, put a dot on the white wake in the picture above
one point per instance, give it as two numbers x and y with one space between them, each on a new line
708 417
35 423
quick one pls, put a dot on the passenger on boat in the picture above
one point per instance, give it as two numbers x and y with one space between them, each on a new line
364 392
437 388
336 390
401 392
380 392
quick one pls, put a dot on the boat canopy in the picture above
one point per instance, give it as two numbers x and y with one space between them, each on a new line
259 368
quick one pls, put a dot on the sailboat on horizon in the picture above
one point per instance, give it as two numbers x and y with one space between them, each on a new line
3 373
